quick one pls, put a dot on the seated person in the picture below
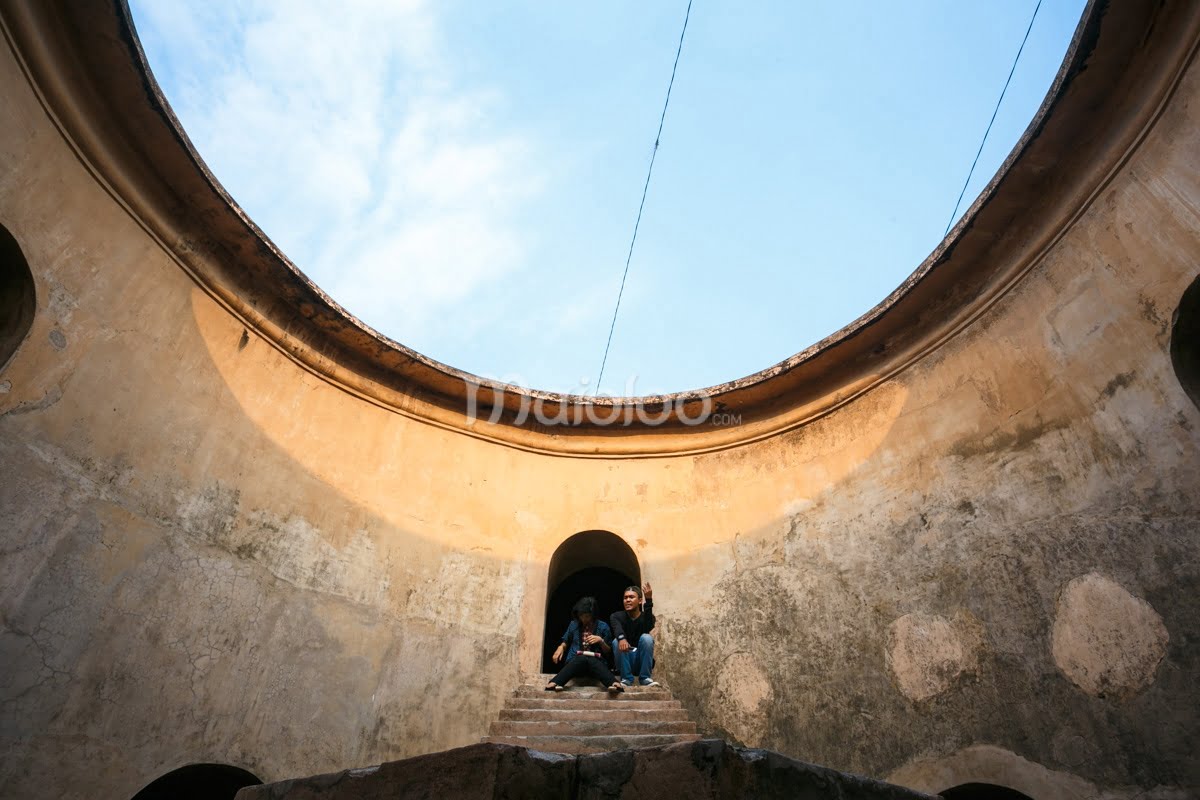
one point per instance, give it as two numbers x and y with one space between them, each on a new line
633 646
585 644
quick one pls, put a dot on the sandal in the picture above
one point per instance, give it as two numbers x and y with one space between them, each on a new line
616 688
553 687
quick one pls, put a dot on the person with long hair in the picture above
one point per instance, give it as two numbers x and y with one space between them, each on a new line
585 647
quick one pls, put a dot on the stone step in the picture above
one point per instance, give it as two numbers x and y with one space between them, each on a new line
630 693
567 701
588 728
592 744
540 681
626 713
590 687
586 718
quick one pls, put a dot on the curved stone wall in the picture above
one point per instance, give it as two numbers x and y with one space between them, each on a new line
214 552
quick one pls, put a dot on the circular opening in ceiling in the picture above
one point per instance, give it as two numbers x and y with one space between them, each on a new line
466 180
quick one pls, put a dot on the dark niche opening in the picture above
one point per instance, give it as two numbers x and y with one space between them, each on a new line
198 782
592 563
1185 342
983 791
17 299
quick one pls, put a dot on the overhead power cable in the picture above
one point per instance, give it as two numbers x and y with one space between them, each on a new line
967 182
645 191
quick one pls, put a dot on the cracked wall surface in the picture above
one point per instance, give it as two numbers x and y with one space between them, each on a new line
211 554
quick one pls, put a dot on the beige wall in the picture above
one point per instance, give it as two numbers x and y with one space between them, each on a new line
213 554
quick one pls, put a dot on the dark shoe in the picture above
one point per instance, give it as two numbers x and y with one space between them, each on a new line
616 688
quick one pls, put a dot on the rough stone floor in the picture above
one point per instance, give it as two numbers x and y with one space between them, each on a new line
704 770
587 719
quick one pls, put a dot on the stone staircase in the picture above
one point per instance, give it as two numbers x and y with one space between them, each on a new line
587 719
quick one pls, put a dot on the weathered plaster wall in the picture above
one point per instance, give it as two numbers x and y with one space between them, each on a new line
212 554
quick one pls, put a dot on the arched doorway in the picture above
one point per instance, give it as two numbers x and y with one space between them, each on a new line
198 782
1185 342
17 301
983 791
595 563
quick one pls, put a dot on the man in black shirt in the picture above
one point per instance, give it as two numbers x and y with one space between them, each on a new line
633 646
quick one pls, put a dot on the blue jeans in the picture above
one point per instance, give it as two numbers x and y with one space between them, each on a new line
639 659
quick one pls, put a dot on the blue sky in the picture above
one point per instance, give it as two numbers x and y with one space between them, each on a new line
464 176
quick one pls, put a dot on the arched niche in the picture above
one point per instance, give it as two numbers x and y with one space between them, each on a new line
17 299
590 563
1185 342
198 782
983 791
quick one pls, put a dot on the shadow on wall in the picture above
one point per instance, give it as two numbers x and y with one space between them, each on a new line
1185 342
199 782
242 371
17 298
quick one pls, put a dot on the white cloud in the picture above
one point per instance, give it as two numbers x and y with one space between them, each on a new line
344 134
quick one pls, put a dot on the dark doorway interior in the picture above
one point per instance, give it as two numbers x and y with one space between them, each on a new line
598 564
983 791
17 301
603 583
1185 342
198 782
